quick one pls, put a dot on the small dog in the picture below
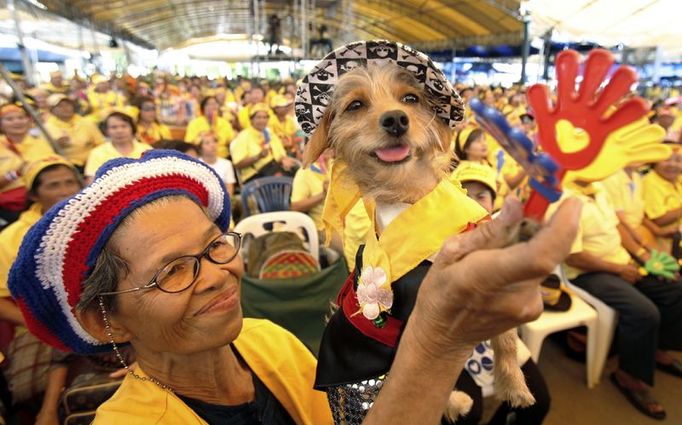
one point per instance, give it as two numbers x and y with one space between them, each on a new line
381 122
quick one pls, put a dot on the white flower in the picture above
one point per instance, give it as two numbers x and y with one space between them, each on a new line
373 297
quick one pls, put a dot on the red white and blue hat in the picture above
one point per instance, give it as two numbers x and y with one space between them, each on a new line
60 250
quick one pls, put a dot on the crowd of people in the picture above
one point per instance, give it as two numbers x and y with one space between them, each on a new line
245 130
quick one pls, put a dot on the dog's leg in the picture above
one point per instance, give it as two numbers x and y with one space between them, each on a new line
510 384
459 404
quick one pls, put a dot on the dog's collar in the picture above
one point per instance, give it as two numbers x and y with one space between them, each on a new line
316 89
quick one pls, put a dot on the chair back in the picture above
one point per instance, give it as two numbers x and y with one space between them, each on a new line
269 194
292 221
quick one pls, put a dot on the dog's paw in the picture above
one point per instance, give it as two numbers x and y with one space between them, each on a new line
459 404
516 397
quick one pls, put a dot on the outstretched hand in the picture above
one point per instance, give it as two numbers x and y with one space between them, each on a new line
479 286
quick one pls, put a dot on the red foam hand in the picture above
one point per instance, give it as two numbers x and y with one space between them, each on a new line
586 108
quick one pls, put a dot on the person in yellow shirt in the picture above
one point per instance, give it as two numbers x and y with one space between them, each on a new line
257 151
17 148
56 84
122 144
48 181
514 109
210 120
309 189
254 96
662 193
149 129
649 309
75 135
102 99
283 124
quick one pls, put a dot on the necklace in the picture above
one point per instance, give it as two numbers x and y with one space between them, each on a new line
110 335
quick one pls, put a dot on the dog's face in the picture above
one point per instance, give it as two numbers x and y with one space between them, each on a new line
381 123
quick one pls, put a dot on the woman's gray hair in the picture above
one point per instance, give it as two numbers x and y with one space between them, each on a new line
109 270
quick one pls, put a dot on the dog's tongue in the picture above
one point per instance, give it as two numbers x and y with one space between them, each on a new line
393 154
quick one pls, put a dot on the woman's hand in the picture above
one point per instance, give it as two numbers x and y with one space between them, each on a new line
479 287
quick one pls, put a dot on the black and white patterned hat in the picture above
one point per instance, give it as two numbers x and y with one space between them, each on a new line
315 90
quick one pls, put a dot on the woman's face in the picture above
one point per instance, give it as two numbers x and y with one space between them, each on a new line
480 193
205 316
148 112
15 123
209 146
260 120
671 168
210 107
119 130
478 149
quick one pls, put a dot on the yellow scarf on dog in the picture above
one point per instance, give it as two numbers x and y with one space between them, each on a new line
417 233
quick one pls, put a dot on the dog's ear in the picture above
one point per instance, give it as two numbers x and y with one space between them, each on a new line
318 142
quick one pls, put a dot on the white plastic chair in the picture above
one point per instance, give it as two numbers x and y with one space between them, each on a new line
580 314
607 320
292 221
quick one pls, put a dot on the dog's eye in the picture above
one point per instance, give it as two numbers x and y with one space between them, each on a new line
410 98
354 105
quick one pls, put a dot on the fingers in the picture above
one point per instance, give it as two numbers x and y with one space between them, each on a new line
539 100
489 235
534 259
567 63
628 112
620 84
597 65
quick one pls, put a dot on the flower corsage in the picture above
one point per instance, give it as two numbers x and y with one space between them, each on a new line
374 294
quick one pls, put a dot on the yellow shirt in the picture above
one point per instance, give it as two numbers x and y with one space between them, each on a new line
107 151
153 133
286 129
597 231
308 183
250 142
625 194
282 362
221 127
103 104
10 241
30 149
660 195
83 136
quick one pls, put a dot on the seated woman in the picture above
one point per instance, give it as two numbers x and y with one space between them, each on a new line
210 120
257 151
309 188
149 129
119 264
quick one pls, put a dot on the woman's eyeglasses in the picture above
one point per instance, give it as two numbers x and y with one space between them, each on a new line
181 273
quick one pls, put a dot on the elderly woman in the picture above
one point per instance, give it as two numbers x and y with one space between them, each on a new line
143 256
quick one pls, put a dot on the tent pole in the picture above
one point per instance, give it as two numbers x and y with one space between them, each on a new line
526 46
28 65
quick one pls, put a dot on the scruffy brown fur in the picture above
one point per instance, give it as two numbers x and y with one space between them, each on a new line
356 134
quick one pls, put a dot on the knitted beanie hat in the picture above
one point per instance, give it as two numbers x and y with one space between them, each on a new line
59 252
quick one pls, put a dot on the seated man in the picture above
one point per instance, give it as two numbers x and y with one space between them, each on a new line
649 309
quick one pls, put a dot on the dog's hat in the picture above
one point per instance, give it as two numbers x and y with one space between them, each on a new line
315 90
60 251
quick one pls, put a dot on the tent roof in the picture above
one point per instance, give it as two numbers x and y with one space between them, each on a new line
423 23
633 23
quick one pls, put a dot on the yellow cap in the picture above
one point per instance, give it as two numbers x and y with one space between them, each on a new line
99 78
54 99
34 168
280 101
258 107
472 171
463 135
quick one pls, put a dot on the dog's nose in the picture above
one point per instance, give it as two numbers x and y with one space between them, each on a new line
395 122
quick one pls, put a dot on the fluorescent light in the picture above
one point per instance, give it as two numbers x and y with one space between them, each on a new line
36 3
